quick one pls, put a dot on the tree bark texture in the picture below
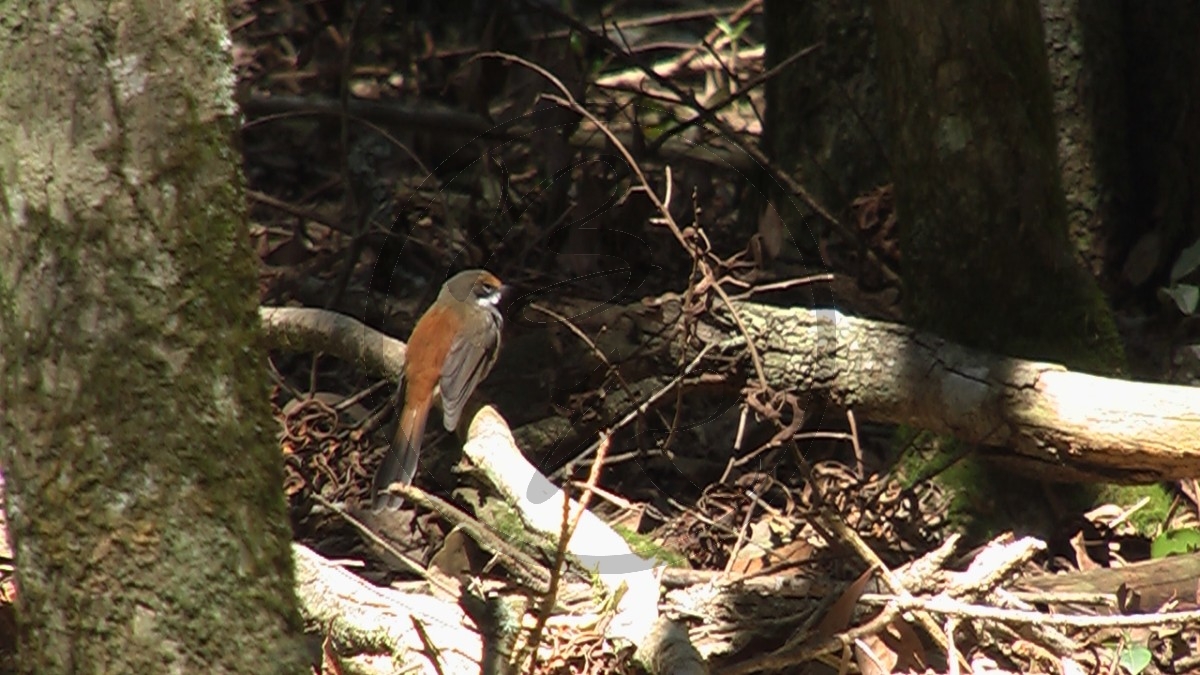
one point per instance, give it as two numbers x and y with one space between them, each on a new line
1085 46
1054 423
824 119
144 483
987 258
826 114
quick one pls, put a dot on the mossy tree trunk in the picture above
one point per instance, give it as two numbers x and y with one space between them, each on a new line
144 485
987 257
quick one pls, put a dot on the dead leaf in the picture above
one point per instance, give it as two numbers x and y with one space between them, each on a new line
752 557
842 612
456 558
772 231
630 518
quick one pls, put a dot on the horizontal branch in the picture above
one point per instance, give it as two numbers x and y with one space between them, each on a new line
1060 424
303 329
1044 418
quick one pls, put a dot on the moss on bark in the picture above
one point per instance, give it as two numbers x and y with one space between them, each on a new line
144 482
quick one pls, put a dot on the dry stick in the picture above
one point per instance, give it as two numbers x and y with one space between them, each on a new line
951 607
578 332
719 527
715 33
782 285
351 206
707 272
781 177
749 148
798 651
737 318
425 115
737 546
292 209
1049 636
708 113
410 564
952 656
858 453
732 78
610 497
846 534
568 101
838 529
804 652
1116 656
633 80
312 215
548 600
674 425
429 175
1107 600
569 524
735 462
357 397
432 652
629 417
639 22
522 566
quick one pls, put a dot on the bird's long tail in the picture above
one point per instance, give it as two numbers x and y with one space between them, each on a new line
400 463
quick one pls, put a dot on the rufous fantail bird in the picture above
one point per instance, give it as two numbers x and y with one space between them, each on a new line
452 348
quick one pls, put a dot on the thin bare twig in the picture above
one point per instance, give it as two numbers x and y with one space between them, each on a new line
800 653
948 606
569 523
847 535
561 473
578 332
781 176
709 112
408 563
782 285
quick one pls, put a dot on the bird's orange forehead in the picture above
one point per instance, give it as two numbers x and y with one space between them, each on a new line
487 279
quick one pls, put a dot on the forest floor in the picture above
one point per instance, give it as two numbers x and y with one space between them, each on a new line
387 144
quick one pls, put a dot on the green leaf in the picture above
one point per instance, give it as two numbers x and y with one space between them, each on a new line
1187 262
739 29
1186 297
1134 659
1175 542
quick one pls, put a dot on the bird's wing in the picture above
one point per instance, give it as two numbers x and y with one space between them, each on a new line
468 362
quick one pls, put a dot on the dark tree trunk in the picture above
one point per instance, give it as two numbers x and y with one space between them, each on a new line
987 257
824 121
825 115
1086 50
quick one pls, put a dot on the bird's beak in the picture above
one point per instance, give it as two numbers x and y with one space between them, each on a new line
507 293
